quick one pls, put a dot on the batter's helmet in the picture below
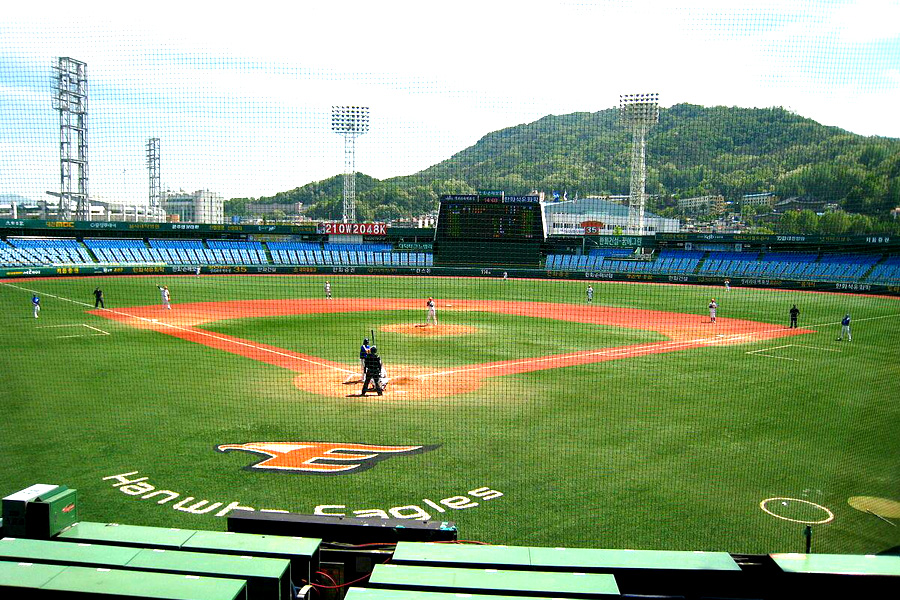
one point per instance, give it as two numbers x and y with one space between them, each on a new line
365 340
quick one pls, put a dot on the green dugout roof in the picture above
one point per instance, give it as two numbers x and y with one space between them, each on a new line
139 584
385 594
839 564
51 552
126 535
514 583
26 575
527 558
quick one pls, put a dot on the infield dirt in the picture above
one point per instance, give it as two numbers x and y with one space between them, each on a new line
324 377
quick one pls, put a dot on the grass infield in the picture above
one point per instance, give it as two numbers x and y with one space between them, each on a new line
667 451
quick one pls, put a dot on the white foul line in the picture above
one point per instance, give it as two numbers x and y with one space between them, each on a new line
626 351
188 330
60 337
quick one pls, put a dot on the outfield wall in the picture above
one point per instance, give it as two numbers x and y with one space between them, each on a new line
493 273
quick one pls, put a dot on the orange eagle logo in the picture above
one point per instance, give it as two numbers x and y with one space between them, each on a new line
320 458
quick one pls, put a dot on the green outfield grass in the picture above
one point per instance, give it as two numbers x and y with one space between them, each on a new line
669 451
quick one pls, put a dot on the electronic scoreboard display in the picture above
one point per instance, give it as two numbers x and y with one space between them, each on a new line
490 216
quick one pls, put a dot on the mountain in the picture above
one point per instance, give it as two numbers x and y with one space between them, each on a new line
693 150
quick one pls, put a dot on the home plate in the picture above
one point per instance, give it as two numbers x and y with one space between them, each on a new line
449 305
154 320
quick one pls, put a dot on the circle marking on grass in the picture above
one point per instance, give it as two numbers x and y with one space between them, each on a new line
828 519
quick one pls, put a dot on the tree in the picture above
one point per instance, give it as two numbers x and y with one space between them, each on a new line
835 223
807 222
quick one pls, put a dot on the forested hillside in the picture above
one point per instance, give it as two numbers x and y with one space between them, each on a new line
692 151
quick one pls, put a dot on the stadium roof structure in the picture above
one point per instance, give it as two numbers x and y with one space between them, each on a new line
592 206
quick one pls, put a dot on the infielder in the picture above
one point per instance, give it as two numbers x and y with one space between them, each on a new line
727 285
590 294
98 298
328 290
795 314
712 310
36 305
432 312
164 293
845 328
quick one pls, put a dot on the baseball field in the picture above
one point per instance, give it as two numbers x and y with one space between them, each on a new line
526 416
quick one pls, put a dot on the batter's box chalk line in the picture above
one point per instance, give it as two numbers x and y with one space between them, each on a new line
763 351
96 330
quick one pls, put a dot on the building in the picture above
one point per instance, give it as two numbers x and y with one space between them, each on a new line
601 216
202 206
100 210
803 203
763 199
709 205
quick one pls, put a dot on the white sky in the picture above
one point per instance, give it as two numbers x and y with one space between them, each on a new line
241 94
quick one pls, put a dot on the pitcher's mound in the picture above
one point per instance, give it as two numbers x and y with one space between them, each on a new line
429 330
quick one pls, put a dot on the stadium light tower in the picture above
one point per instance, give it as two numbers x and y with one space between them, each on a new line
155 205
350 122
70 86
639 112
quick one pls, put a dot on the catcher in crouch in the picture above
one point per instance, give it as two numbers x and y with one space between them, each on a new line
374 372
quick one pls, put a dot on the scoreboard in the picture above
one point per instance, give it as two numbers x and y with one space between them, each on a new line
490 216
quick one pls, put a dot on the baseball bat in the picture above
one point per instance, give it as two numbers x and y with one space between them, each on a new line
372 333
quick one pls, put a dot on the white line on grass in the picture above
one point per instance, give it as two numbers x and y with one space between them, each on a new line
767 349
818 348
189 330
59 337
778 357
627 351
854 321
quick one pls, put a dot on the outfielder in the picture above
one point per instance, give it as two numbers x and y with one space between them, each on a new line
432 312
845 328
712 310
36 304
164 293
328 290
590 294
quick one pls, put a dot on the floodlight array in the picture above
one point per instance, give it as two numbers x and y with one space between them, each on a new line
350 119
639 108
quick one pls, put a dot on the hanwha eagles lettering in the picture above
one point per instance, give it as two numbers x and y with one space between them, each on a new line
320 458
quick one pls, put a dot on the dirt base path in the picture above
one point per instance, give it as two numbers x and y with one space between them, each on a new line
329 378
